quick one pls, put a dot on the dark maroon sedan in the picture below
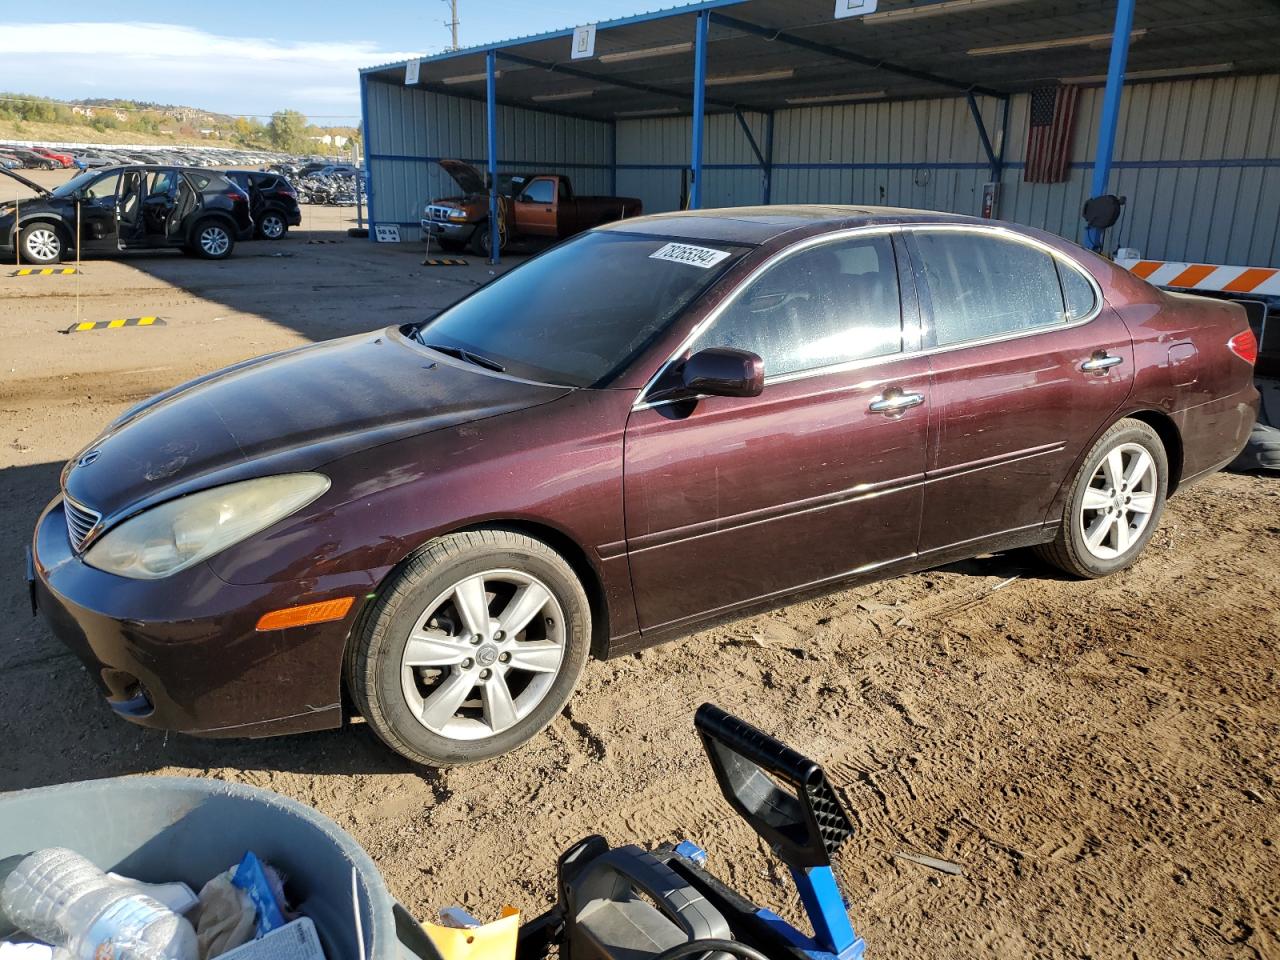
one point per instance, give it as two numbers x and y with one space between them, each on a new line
663 423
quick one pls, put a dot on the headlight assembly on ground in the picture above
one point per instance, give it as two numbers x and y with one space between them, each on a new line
181 533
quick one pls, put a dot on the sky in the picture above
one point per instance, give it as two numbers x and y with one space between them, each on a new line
247 57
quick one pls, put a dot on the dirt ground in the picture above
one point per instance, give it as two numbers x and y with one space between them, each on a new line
1101 758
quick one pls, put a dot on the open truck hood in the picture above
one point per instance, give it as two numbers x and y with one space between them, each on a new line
464 175
25 182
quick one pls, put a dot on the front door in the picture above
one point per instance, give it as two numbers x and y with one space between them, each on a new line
730 500
98 225
1028 365
536 207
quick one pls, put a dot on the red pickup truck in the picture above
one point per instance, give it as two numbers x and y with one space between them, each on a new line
539 205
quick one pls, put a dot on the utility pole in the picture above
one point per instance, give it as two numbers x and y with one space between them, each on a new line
452 23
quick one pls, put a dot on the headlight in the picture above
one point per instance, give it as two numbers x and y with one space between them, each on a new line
458 216
181 533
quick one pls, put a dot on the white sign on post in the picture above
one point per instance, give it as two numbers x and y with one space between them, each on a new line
854 8
411 72
584 42
387 233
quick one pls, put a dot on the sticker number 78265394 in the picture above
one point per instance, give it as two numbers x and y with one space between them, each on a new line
704 257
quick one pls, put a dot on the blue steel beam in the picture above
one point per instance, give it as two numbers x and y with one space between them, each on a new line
364 142
699 108
839 53
768 158
994 161
1111 109
491 116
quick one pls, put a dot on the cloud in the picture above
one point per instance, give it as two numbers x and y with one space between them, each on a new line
169 63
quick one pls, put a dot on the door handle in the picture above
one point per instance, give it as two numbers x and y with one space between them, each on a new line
895 401
1100 361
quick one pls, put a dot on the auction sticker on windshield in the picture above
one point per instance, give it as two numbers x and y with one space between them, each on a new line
704 257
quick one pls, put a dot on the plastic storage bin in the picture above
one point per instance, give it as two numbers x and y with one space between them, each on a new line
175 828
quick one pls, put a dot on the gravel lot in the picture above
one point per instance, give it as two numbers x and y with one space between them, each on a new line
1100 757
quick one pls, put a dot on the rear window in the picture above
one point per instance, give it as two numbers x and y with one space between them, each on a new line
1078 292
198 180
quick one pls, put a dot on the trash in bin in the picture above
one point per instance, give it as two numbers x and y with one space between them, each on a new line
59 897
293 941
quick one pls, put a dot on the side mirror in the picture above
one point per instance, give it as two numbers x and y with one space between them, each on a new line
724 372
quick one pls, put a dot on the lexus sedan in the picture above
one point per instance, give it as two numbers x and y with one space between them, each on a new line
126 208
661 424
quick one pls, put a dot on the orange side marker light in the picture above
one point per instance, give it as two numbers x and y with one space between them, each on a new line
306 614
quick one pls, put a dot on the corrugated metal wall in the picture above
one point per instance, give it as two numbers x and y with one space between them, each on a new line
410 127
1199 160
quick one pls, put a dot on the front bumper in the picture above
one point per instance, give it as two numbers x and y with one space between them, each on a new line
440 230
183 654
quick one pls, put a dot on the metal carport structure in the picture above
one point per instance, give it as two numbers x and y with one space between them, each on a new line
913 104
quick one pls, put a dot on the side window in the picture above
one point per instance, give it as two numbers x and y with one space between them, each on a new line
986 286
162 183
540 191
103 187
829 304
1078 292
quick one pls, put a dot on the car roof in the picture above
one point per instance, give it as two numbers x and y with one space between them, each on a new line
756 225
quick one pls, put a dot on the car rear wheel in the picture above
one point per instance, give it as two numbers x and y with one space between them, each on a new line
1116 501
212 240
273 226
471 649
41 243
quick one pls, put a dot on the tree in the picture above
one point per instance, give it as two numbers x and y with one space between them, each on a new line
287 130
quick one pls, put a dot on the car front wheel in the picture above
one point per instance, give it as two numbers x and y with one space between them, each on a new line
41 243
213 240
471 649
1116 501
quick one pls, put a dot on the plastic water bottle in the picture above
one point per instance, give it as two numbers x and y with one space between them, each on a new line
61 898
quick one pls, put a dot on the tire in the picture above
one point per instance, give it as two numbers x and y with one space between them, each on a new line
273 226
411 706
1109 531
480 240
212 240
41 243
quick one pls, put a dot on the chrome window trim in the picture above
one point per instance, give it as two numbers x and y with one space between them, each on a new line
993 229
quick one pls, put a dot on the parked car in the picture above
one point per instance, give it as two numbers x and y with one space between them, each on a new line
542 205
9 161
59 158
125 208
86 161
32 160
272 201
656 426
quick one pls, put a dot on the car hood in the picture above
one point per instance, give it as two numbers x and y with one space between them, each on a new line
25 182
286 412
464 175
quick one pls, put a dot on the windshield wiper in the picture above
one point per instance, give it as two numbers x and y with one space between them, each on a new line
466 355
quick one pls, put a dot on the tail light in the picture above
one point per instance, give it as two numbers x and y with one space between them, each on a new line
289 192
1245 346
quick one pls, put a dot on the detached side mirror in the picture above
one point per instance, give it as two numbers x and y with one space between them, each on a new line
724 372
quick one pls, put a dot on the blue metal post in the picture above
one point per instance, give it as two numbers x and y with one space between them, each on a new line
768 158
699 108
491 114
1111 108
613 159
364 143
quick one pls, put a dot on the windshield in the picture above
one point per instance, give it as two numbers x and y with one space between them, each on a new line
75 183
579 312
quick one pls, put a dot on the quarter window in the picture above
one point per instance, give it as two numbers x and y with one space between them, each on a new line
830 304
1077 291
984 286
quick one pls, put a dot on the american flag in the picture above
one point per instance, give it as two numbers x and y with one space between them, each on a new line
1053 114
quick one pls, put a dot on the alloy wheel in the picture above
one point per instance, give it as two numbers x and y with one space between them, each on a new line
272 227
43 244
483 655
214 241
1119 501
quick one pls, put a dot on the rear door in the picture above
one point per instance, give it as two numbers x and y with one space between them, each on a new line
730 500
158 205
1027 364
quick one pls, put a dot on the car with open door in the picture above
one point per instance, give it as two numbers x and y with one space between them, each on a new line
131 207
273 202
661 424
